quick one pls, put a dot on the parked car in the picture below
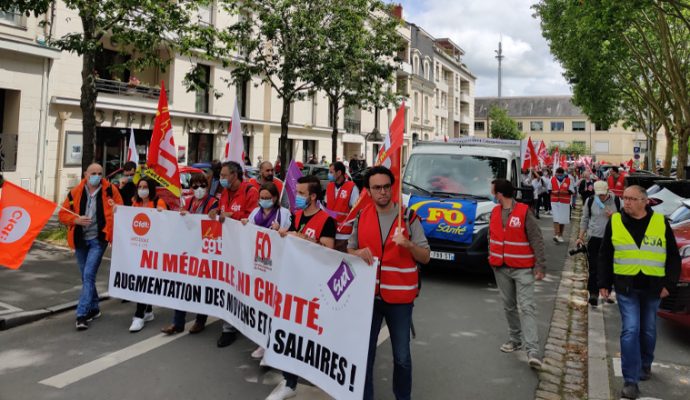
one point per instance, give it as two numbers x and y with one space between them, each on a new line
644 179
681 215
676 307
320 171
186 173
667 196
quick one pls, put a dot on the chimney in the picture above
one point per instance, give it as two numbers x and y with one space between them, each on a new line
398 11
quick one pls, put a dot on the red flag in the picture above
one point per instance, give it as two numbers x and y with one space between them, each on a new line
564 161
389 157
22 217
162 157
542 154
556 158
530 156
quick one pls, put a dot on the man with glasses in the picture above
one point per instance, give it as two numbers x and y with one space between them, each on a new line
394 246
88 212
127 187
639 256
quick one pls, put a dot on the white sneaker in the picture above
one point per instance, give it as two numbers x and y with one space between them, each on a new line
149 316
282 392
560 239
137 324
258 354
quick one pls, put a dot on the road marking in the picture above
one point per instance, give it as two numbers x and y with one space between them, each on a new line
8 308
92 368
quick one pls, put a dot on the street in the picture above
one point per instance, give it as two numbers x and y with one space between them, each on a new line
458 318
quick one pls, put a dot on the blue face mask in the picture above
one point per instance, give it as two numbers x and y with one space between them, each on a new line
301 202
331 177
94 180
266 203
560 178
224 183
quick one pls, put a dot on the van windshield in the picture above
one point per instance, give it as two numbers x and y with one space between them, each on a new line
453 174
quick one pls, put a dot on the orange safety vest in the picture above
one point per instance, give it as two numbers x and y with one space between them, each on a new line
275 181
339 201
509 245
559 192
152 203
618 186
314 226
397 278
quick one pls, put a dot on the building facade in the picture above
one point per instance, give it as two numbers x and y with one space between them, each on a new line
558 122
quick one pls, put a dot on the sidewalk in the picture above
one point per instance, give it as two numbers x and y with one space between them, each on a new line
48 282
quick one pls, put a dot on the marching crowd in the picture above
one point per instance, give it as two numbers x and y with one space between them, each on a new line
630 249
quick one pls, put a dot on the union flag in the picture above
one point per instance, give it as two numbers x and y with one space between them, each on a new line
162 157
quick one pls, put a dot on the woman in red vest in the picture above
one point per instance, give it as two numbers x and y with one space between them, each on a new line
379 235
561 189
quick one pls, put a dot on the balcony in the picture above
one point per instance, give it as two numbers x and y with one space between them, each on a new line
353 125
126 89
465 97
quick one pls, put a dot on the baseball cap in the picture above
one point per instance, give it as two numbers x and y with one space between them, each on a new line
601 187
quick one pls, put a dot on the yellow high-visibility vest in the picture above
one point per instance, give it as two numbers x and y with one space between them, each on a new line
650 257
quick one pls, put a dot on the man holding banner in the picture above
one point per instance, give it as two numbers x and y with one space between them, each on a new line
380 239
88 214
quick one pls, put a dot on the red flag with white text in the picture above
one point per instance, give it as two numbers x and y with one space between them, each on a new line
542 154
530 156
162 157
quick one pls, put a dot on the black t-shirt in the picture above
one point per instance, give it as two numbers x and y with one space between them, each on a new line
328 230
127 192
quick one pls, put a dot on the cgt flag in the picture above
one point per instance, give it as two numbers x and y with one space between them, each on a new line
22 216
162 157
530 159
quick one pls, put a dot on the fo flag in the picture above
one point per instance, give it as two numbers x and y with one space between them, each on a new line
389 157
22 216
162 157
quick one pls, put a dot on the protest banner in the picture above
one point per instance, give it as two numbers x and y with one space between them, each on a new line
308 305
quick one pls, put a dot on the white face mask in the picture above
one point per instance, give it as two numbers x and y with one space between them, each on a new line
199 193
143 193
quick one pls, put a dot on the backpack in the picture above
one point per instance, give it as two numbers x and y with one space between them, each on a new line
590 200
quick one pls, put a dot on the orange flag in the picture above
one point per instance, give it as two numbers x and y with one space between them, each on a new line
22 216
162 157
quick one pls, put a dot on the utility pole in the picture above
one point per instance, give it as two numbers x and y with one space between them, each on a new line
499 57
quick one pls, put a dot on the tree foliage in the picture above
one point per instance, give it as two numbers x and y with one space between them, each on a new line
502 126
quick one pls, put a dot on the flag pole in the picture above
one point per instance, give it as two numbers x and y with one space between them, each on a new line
69 211
399 194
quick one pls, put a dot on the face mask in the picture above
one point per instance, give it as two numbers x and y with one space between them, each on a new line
224 183
94 180
560 178
266 203
199 193
143 193
331 177
301 202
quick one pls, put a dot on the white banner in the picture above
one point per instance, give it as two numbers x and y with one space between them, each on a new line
308 305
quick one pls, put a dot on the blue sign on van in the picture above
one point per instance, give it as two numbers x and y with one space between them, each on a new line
447 219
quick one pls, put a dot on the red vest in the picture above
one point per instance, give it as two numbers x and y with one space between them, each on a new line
509 245
559 192
397 278
618 186
240 202
275 181
208 202
314 226
340 204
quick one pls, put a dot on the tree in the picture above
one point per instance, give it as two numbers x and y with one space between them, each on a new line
502 126
356 65
142 30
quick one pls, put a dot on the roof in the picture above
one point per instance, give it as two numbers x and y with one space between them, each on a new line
456 149
530 107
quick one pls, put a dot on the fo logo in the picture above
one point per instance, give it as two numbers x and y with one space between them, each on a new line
141 224
262 250
211 237
14 222
514 222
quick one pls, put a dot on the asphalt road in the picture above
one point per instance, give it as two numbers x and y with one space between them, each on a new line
459 323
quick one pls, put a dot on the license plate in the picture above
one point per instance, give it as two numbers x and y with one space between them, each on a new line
441 255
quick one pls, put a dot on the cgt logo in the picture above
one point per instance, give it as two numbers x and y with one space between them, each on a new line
211 237
451 216
262 249
141 224
14 223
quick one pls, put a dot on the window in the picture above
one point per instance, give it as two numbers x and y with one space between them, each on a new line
243 97
206 13
330 113
578 126
601 147
200 148
600 127
12 17
416 105
479 126
580 143
105 58
519 126
314 105
536 126
557 126
9 129
426 107
427 70
201 103
308 149
415 65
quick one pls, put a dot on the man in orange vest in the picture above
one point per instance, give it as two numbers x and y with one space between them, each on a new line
394 246
616 182
341 196
90 228
561 189
266 174
516 253
313 224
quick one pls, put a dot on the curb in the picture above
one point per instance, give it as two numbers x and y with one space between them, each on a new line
598 379
19 318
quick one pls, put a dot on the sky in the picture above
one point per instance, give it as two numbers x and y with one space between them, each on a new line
477 26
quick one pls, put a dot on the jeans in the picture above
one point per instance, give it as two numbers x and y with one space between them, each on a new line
517 290
399 321
638 334
180 317
89 259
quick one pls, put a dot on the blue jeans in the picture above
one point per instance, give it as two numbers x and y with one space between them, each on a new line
638 334
399 321
89 259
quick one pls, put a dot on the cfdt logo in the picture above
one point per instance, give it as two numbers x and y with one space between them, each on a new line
262 249
14 222
211 237
141 224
